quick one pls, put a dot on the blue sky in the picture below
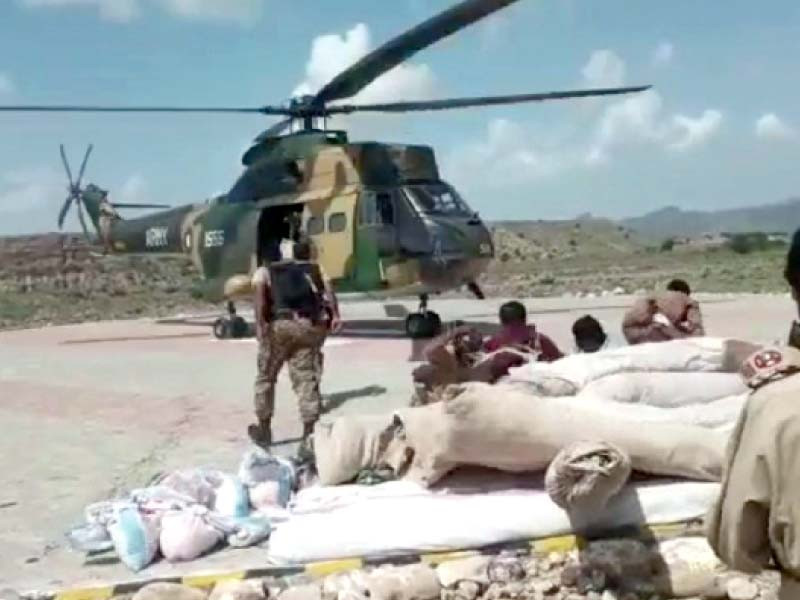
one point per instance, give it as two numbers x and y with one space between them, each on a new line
721 127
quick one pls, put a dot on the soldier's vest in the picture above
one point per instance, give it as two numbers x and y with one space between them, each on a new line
297 289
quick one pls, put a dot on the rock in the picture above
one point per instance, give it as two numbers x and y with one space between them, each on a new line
569 575
468 590
309 591
251 589
739 588
168 591
608 595
474 568
544 586
410 582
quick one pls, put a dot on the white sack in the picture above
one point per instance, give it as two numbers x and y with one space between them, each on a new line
666 390
400 517
502 428
187 534
722 413
692 354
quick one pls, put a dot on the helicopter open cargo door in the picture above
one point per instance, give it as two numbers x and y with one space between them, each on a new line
332 231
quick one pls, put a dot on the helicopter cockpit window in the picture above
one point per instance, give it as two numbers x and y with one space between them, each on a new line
376 208
337 223
437 199
315 225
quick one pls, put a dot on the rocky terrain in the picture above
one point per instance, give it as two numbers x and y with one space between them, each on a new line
604 570
52 278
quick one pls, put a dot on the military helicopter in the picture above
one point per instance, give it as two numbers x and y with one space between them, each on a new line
381 219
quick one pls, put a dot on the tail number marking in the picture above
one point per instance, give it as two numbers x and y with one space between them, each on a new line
155 237
214 238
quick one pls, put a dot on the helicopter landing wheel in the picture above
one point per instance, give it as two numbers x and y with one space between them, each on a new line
423 325
222 328
234 327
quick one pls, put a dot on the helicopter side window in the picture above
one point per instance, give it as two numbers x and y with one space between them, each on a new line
315 225
376 209
337 223
438 199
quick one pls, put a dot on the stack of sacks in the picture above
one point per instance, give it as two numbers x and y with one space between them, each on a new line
189 512
572 374
501 427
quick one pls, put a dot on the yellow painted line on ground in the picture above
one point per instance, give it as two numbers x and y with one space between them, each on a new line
436 558
207 581
323 569
562 543
96 593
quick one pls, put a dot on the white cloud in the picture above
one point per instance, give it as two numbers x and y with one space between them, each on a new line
507 154
133 190
604 69
119 11
30 190
236 10
124 11
7 87
332 53
688 132
770 127
663 54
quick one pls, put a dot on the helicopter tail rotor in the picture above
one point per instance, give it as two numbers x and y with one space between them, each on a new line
74 192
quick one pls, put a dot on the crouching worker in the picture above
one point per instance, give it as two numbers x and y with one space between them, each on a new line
516 333
458 356
289 325
756 519
671 315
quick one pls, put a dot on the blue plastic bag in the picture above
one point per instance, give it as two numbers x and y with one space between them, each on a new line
135 537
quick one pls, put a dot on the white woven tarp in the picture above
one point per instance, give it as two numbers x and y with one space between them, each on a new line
400 517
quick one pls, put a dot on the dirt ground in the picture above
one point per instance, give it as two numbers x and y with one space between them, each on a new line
91 410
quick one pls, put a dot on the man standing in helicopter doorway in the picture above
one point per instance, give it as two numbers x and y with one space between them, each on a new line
290 298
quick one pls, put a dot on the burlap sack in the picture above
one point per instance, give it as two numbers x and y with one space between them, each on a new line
585 475
349 444
502 428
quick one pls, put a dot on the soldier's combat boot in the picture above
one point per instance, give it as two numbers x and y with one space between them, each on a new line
261 434
305 452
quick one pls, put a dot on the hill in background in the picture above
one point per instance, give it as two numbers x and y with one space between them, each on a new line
671 221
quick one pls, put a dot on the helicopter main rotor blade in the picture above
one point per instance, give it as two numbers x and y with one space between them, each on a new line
275 130
62 214
264 110
83 165
127 205
66 164
355 78
480 101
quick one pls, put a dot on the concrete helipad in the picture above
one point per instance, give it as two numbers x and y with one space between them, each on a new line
91 410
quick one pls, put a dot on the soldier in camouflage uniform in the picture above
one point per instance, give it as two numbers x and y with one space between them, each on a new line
106 219
290 330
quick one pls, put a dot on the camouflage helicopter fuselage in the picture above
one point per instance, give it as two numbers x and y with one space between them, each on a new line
381 220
